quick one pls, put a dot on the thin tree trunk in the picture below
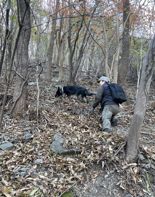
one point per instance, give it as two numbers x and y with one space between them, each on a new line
72 49
90 61
6 34
59 40
70 56
145 77
116 56
107 46
9 49
74 67
84 43
115 64
61 60
51 44
81 52
9 74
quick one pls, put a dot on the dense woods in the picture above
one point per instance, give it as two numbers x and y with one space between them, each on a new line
49 43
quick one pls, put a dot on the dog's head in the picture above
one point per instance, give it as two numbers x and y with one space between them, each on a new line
59 92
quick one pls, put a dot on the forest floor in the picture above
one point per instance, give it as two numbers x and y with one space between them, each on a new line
29 167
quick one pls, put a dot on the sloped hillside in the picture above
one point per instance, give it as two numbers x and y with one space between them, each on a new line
30 167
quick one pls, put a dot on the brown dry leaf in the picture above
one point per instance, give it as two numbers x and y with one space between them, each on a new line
58 173
7 191
5 182
34 192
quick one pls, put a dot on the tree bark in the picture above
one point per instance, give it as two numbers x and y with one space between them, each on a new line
20 91
72 48
84 43
52 41
75 66
70 56
124 62
115 62
145 76
6 34
60 43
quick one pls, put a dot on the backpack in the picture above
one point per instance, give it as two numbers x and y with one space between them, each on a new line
118 93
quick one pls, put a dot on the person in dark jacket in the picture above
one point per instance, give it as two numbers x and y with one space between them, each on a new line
108 106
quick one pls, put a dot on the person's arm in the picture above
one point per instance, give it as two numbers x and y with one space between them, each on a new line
98 97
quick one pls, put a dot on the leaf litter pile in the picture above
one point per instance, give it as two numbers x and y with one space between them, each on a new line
31 168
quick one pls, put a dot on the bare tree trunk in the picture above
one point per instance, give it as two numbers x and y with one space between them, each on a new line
51 44
145 77
107 46
75 66
73 48
90 61
81 51
60 42
84 42
115 63
124 62
9 73
70 56
9 50
61 60
6 34
20 91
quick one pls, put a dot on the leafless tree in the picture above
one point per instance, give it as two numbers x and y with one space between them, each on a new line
20 91
52 41
145 76
6 33
124 62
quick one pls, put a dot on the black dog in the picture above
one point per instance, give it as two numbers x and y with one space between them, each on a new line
73 90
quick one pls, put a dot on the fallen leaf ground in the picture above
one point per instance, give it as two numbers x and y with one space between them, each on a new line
55 174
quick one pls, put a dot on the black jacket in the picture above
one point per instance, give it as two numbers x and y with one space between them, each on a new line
103 96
